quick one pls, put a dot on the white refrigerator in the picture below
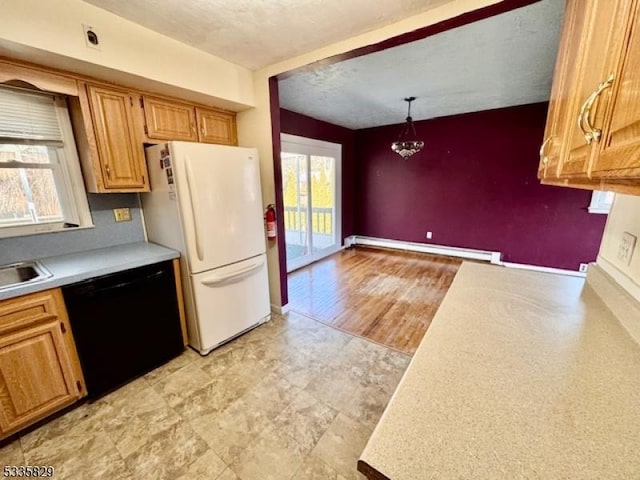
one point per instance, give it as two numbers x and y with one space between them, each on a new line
206 202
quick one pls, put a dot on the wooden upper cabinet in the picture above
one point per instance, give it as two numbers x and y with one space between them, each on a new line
562 98
108 125
168 120
600 45
592 137
39 368
619 154
216 126
120 148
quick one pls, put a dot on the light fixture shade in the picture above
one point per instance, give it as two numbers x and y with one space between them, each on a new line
406 145
407 148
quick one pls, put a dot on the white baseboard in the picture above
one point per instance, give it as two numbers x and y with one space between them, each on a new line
493 257
280 310
615 294
472 254
560 271
349 241
631 287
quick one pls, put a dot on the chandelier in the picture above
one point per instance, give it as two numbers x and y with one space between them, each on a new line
406 145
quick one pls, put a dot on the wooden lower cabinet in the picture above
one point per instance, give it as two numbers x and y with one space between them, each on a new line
39 368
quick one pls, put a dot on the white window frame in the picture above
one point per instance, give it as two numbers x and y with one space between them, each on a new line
69 183
599 203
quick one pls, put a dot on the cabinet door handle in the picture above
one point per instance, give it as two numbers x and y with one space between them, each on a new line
590 132
583 110
543 157
108 169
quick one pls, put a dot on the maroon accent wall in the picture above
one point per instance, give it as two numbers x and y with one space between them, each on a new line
474 185
297 124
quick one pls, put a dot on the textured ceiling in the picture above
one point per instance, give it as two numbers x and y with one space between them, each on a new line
501 61
256 33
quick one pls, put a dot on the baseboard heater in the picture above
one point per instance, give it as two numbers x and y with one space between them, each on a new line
484 255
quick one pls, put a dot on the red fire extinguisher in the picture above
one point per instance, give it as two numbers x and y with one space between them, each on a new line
270 217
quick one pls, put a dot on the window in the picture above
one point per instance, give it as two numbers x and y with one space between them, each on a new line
601 202
41 188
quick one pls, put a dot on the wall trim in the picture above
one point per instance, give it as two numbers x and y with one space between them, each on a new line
616 298
349 241
631 287
472 254
460 20
537 268
280 310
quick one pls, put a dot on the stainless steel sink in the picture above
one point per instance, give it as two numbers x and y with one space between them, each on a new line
21 273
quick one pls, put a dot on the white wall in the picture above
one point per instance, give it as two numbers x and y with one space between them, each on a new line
50 32
254 126
624 217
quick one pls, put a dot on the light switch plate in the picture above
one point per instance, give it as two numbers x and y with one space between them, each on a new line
122 214
626 247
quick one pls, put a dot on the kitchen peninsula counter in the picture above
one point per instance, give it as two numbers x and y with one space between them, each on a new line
521 375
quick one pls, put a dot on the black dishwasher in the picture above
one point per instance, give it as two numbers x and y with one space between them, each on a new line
124 324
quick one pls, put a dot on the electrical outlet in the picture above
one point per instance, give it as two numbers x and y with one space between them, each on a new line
583 267
625 249
122 214
429 235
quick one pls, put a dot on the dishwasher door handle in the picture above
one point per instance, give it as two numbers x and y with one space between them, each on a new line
92 290
216 279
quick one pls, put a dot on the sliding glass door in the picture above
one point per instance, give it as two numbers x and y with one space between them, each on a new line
311 192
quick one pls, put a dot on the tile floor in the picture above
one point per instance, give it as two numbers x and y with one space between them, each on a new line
293 399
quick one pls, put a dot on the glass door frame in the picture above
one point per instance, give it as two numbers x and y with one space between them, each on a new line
312 147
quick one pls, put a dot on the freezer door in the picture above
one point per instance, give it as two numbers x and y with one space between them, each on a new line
220 202
229 300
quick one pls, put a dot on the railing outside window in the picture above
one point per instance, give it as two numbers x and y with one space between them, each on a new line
321 220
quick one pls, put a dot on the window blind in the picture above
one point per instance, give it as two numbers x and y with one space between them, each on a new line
26 116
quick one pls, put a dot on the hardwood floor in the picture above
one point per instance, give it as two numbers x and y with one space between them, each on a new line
387 296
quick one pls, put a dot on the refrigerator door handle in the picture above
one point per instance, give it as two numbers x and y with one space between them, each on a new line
210 281
194 209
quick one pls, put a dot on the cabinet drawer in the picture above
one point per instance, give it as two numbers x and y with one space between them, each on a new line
27 310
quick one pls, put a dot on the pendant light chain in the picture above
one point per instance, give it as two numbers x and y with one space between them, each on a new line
405 146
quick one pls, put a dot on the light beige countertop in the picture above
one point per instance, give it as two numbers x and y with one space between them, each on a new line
521 375
76 267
